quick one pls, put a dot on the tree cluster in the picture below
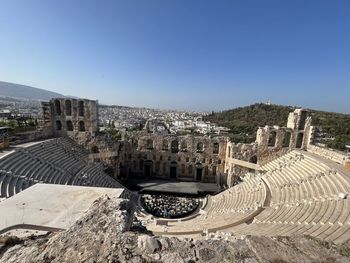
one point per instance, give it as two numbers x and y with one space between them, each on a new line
244 122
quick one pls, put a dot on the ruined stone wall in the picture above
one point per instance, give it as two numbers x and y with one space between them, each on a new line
154 153
330 154
186 155
73 117
78 119
275 141
272 142
41 133
240 151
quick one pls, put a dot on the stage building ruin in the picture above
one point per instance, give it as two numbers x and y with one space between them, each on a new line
155 153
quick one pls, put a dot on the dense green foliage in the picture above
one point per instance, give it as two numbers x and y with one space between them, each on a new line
20 125
113 134
244 122
335 124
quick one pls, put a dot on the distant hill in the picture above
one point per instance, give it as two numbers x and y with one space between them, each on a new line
244 122
25 92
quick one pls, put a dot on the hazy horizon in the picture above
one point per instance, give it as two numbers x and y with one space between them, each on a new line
197 55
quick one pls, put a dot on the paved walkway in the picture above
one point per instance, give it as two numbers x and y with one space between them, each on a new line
49 205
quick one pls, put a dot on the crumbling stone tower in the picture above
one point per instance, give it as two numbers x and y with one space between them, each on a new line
72 117
273 141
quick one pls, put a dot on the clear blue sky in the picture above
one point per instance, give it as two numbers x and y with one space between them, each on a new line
201 55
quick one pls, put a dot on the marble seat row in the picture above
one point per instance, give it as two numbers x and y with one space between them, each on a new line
304 195
305 200
55 161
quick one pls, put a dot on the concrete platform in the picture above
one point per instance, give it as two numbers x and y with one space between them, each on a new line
49 207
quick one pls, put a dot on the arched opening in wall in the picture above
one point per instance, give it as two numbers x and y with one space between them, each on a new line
216 148
175 146
68 107
95 149
253 159
165 146
200 147
58 125
214 170
302 120
183 169
229 151
81 108
81 126
149 144
286 139
199 172
173 170
272 139
190 170
183 146
148 168
141 165
206 171
299 140
69 126
157 167
58 107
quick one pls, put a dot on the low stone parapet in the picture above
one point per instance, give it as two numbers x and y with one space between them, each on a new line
330 154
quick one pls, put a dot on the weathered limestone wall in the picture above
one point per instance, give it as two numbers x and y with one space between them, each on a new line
102 148
72 116
155 153
330 154
240 151
152 153
40 134
272 142
275 141
183 157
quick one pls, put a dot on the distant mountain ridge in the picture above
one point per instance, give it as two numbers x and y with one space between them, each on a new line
24 92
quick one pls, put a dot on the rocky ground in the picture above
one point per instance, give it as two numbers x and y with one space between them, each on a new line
108 232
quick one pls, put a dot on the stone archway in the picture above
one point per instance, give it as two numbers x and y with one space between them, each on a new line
199 172
148 169
173 170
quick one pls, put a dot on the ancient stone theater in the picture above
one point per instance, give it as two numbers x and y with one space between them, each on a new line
180 185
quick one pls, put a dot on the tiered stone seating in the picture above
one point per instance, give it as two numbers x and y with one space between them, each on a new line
301 198
233 206
304 199
55 161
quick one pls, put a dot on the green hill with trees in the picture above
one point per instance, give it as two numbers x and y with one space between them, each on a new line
244 122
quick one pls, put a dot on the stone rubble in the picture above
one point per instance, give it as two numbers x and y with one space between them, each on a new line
109 232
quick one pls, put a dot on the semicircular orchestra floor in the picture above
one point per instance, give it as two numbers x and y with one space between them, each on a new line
169 206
